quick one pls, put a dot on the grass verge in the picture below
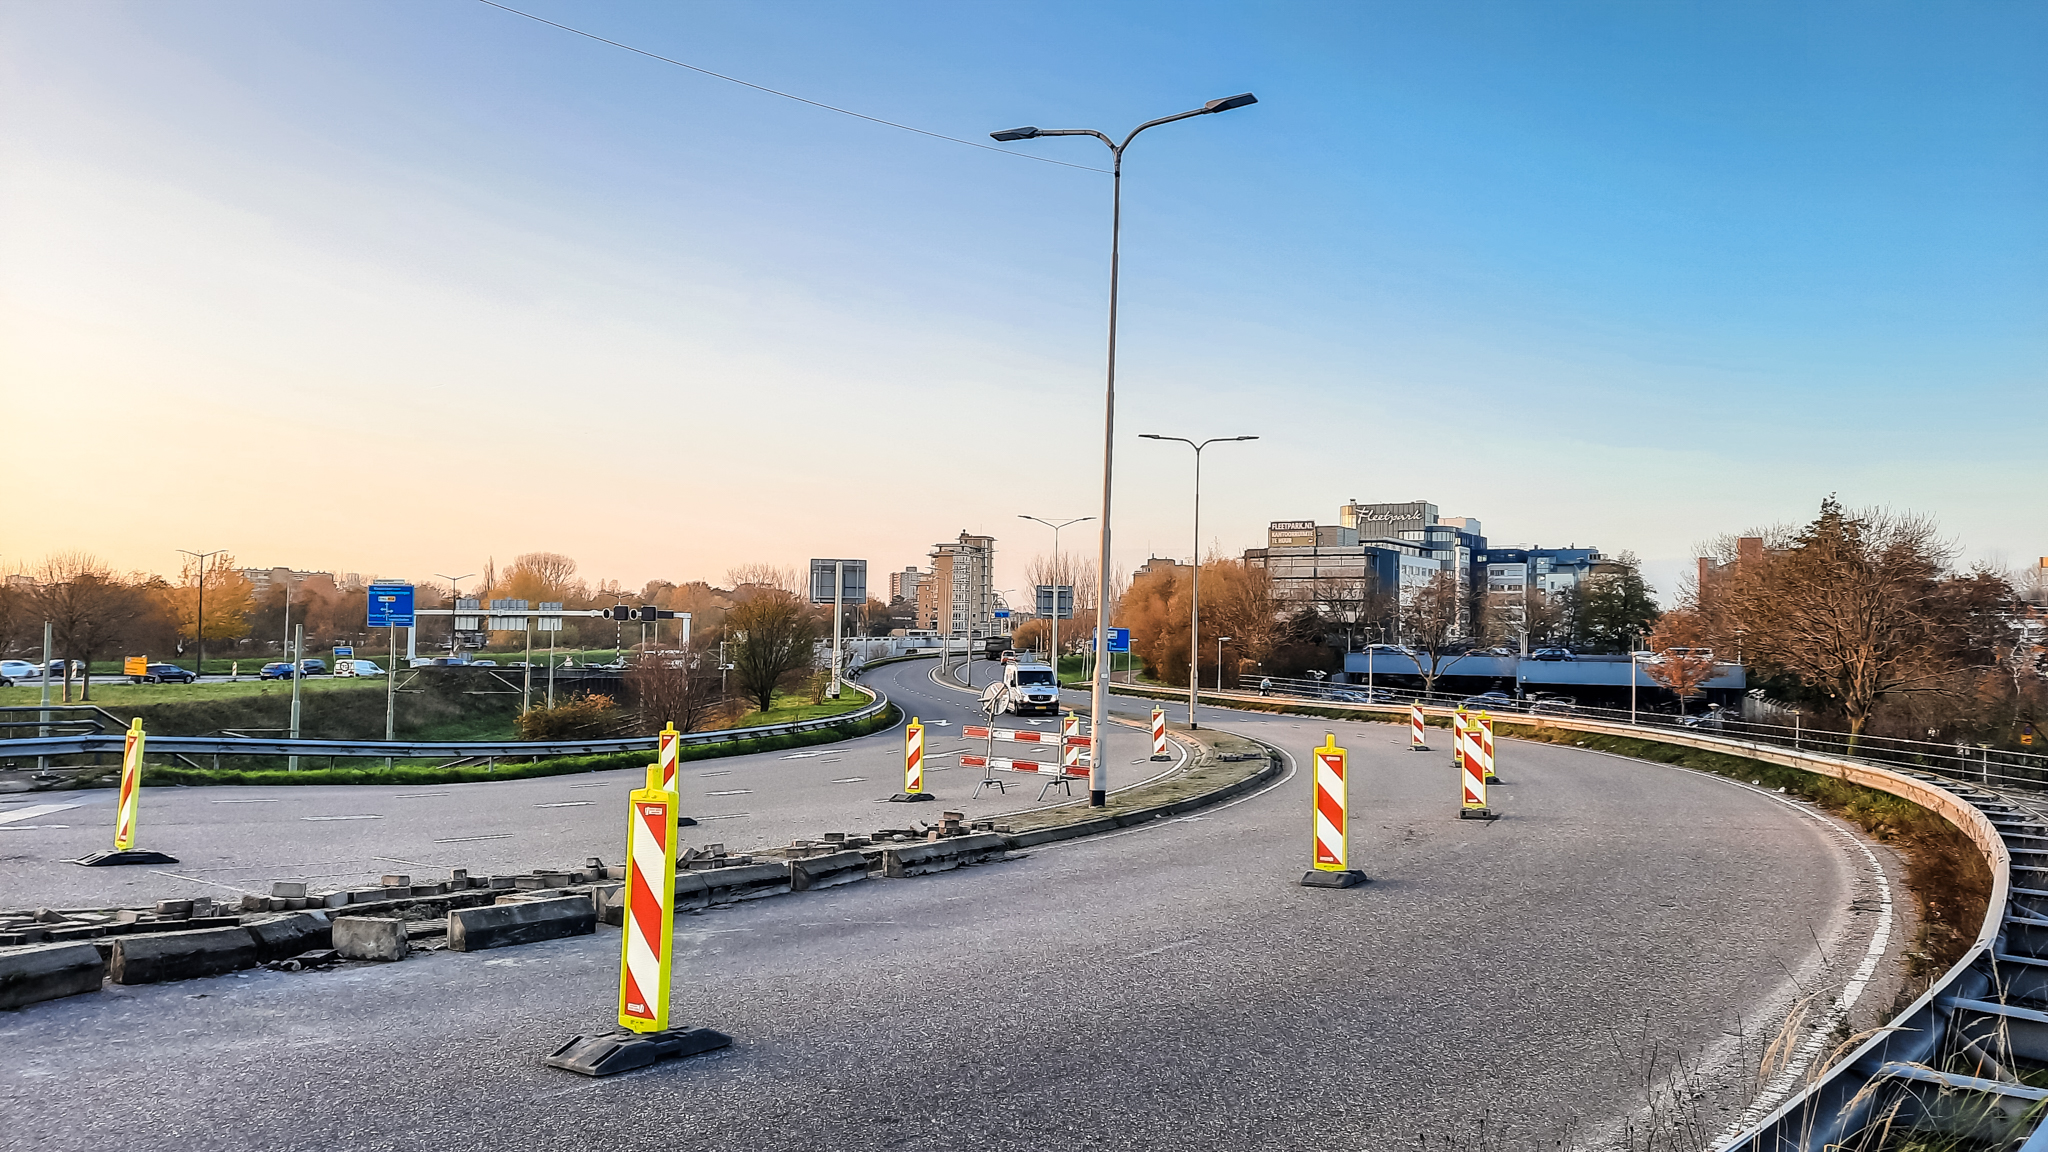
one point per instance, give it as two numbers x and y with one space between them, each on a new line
506 770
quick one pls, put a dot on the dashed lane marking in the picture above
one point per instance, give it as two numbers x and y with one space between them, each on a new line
358 816
467 839
567 804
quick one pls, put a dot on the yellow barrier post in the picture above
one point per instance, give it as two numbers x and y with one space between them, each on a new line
669 756
913 765
1472 773
1486 747
1330 831
128 810
647 954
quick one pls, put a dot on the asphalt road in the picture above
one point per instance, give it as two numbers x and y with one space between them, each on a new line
230 840
1170 987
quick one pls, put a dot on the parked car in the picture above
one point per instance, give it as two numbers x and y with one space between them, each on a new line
1552 654
312 667
1553 708
1711 720
164 674
357 667
1495 700
275 670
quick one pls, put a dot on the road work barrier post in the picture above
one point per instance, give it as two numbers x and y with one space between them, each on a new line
1331 828
1471 772
913 764
127 809
1486 747
1416 730
644 1035
670 755
1458 738
1159 751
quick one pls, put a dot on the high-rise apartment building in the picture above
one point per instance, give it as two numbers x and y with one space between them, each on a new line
958 597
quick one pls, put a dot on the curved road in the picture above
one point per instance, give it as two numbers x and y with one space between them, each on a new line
1169 986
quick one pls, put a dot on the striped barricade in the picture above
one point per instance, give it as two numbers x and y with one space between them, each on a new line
1471 771
1331 822
1417 730
669 755
128 810
1486 747
647 952
1159 751
913 763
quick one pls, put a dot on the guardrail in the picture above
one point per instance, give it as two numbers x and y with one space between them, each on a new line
1952 1062
411 749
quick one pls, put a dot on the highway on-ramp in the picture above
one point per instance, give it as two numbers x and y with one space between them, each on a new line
1506 985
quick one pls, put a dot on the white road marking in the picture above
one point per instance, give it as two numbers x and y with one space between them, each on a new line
567 804
727 816
850 780
29 827
32 812
269 801
606 784
732 792
800 755
364 816
467 839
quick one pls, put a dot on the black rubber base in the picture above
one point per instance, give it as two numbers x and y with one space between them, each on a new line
685 822
1477 814
1162 757
1318 878
1098 799
611 1053
911 797
1418 747
131 856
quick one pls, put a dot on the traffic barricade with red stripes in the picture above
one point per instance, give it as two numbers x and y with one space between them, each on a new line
1330 821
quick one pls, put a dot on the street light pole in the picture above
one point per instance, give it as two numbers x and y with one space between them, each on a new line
453 596
1056 572
1098 693
199 623
1195 587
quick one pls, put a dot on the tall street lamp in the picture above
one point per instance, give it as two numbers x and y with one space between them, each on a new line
199 613
1098 695
1195 589
453 596
1056 588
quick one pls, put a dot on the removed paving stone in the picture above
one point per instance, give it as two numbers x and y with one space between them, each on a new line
371 938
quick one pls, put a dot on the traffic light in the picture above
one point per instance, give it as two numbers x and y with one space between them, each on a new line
618 612
648 615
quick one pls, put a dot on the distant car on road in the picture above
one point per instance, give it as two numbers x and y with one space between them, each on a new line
483 663
19 670
357 667
1552 654
313 667
1553 708
275 670
164 674
1496 700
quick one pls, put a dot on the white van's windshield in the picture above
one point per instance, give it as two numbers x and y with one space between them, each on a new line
1033 676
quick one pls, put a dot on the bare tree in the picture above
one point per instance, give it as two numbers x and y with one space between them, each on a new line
771 633
90 610
680 690
1859 605
749 578
1683 660
1431 622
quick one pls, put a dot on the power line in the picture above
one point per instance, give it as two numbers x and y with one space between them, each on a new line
787 95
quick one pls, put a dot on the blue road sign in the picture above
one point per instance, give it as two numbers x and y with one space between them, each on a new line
341 650
1002 613
391 606
1119 639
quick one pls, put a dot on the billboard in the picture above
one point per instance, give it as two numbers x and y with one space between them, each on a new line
391 606
856 590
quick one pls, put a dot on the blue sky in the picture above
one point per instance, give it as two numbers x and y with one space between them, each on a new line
409 284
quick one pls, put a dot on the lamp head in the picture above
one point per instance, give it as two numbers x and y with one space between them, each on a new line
1009 134
1229 102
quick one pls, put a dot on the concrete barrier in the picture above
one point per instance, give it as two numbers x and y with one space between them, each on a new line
524 922
827 871
732 885
943 855
48 971
371 938
286 936
155 958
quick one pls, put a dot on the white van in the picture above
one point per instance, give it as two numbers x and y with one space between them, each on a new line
1028 688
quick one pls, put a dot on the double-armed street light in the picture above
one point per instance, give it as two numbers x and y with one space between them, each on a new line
1195 588
199 611
1098 779
1055 641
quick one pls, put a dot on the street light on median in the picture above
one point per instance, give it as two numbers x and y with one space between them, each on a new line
1195 589
1098 779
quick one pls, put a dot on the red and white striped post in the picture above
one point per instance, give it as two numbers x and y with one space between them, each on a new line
647 953
1159 751
669 757
1331 826
1070 743
129 806
650 922
913 764
1471 772
1416 730
1486 747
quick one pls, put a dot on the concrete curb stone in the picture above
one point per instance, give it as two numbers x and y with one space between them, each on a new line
45 972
